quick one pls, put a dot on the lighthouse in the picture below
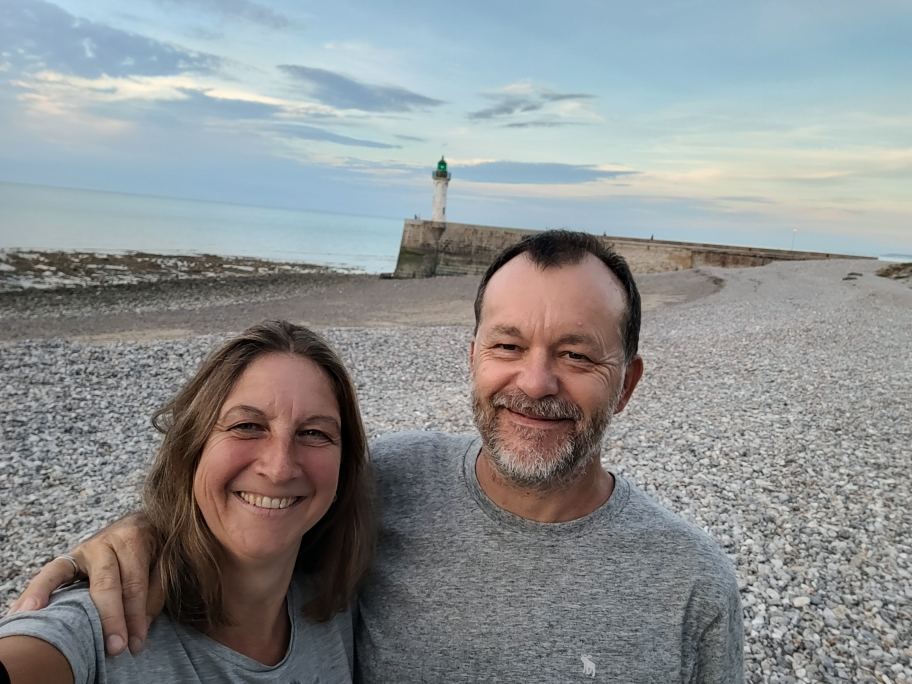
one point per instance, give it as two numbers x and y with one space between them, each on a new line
441 179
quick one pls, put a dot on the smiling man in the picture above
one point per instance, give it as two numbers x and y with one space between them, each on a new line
513 555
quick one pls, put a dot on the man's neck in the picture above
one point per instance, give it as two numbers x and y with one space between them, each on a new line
254 599
563 504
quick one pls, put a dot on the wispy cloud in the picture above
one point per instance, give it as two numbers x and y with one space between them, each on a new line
37 35
313 133
343 92
245 10
160 100
523 98
177 102
534 173
749 199
541 123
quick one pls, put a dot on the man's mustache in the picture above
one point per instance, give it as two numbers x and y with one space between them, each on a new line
549 408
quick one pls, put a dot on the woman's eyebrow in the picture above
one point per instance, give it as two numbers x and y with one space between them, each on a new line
244 409
323 419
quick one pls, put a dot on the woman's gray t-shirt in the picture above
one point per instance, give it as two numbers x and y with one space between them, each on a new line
318 653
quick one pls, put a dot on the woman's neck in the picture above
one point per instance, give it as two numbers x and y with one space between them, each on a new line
254 602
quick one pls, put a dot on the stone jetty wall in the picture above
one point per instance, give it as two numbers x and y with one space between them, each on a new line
430 249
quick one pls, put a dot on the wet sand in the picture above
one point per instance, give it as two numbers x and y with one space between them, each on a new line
178 308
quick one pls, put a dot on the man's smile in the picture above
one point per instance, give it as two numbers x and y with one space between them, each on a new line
535 421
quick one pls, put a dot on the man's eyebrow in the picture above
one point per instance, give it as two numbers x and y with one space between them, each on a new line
505 329
577 338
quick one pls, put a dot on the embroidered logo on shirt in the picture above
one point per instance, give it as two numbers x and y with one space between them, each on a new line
588 666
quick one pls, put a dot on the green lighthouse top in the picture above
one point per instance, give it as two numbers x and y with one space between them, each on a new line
441 171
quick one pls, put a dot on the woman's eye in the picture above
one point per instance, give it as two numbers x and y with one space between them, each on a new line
315 436
246 427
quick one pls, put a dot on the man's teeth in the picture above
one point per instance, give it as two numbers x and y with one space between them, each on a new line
266 502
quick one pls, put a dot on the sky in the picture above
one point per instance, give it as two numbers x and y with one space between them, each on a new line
702 120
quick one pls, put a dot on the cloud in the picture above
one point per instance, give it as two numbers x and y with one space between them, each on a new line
522 98
413 138
534 173
37 35
154 100
313 133
551 96
746 198
346 93
506 107
237 9
541 123
198 104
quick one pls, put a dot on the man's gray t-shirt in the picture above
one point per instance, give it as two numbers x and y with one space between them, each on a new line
318 653
463 591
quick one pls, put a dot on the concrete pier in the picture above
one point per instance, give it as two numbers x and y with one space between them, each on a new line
432 248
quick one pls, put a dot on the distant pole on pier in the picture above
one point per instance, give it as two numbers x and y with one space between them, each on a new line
794 232
441 179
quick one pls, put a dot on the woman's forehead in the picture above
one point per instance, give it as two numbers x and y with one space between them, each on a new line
283 380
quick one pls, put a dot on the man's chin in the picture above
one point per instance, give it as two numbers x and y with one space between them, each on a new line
538 476
533 465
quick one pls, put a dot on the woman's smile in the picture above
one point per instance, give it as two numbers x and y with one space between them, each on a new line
270 468
268 503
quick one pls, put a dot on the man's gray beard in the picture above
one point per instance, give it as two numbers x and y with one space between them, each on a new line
533 467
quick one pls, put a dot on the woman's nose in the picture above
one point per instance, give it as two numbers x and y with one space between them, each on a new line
278 461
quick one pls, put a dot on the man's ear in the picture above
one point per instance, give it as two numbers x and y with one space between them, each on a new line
472 355
631 378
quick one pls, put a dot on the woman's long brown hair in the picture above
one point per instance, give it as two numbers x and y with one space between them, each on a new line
336 551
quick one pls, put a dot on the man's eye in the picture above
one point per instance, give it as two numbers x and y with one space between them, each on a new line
574 356
508 347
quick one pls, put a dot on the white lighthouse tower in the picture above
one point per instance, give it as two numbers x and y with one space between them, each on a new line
441 179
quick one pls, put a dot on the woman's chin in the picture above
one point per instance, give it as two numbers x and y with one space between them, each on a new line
264 552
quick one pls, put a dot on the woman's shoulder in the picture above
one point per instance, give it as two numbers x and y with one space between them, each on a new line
327 646
71 605
69 623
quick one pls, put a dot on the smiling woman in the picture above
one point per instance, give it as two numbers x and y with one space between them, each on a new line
262 471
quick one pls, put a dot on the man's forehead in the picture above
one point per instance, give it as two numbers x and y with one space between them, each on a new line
522 274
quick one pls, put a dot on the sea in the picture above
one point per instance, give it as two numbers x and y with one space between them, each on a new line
38 217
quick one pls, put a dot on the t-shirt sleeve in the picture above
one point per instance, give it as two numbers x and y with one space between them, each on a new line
720 657
346 627
67 625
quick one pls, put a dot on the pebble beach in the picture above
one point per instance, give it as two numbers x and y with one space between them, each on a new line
775 413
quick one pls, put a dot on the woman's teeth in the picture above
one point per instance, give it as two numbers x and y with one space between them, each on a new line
266 502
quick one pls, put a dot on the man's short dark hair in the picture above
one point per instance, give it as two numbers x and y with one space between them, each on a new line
556 248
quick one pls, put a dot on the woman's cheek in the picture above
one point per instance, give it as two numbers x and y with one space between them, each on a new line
323 468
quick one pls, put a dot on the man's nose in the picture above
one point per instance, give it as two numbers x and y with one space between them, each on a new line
278 461
537 377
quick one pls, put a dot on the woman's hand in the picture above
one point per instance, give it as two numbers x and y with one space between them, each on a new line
116 561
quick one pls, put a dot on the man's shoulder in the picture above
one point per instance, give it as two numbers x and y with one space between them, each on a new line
406 447
688 549
415 464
